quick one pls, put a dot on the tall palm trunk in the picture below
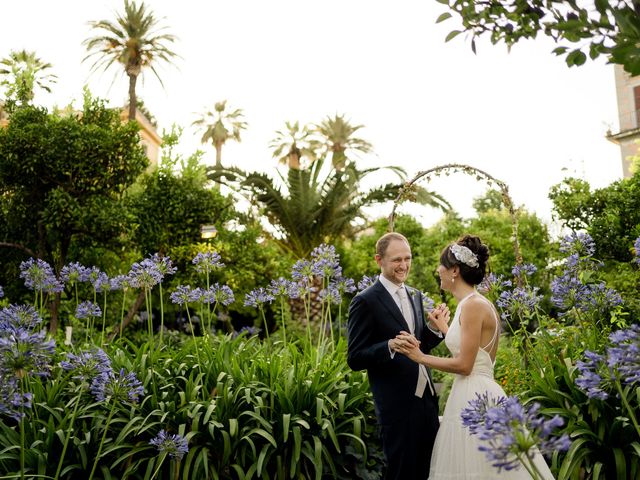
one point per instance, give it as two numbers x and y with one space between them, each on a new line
132 96
218 146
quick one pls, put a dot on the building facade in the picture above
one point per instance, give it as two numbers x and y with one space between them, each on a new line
628 138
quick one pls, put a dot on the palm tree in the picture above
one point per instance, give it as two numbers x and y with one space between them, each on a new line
135 41
294 144
221 125
23 71
315 204
339 140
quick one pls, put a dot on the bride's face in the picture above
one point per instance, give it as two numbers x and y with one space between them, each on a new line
446 277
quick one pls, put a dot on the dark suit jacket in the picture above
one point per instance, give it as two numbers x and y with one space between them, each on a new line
374 319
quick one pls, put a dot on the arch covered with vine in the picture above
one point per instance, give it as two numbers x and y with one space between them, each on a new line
408 193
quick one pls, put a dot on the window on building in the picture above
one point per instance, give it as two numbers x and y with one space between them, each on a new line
636 103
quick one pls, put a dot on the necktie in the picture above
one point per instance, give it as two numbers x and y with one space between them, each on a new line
407 313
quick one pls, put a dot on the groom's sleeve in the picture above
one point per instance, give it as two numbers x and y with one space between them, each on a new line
364 350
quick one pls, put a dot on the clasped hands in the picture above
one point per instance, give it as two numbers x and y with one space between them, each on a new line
409 345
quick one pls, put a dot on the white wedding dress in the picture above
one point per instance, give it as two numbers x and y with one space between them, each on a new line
455 453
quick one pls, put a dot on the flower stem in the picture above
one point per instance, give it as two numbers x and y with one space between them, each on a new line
104 435
68 436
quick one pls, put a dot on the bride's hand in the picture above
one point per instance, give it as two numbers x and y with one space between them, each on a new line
439 317
408 345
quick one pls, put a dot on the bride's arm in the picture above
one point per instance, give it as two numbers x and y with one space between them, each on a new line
471 329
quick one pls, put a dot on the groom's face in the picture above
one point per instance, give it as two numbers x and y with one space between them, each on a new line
395 262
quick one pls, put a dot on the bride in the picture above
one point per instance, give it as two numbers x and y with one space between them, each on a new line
472 338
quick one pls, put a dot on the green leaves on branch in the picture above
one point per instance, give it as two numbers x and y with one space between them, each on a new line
611 29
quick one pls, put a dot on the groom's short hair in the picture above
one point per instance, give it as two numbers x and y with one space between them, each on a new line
383 242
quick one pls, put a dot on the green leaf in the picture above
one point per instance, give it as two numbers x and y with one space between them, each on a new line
452 34
443 17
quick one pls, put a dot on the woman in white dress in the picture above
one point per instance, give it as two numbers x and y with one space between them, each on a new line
472 338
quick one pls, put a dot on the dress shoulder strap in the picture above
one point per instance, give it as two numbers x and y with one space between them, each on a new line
497 329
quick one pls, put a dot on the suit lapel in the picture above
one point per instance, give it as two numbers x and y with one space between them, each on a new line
390 304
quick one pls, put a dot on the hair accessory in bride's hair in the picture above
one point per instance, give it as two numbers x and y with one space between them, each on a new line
464 255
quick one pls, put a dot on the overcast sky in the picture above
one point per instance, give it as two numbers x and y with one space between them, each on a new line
524 117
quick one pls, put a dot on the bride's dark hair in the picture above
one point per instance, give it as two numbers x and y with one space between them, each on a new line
471 275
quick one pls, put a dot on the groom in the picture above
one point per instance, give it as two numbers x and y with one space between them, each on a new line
405 400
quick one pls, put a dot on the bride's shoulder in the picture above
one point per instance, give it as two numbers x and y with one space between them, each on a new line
477 303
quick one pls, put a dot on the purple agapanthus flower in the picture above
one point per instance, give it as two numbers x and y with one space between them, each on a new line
580 243
87 309
13 402
74 273
520 302
205 262
636 249
590 381
19 316
23 352
280 287
493 282
344 285
302 271
526 269
427 302
325 262
174 445
250 331
217 294
164 263
120 282
145 274
101 283
87 365
185 294
366 282
507 430
39 276
331 294
119 386
257 297
624 354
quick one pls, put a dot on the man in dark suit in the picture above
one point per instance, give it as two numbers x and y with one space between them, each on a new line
405 400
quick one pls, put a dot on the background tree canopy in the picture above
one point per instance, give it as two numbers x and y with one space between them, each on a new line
610 28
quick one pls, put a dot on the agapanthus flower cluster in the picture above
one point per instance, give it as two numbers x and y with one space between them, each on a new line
19 316
636 250
145 274
87 309
427 303
509 433
258 297
527 269
281 287
493 283
217 293
519 303
302 271
366 281
569 291
87 365
325 262
13 401
620 363
331 294
578 243
250 331
205 262
164 263
39 276
185 294
101 283
119 387
120 282
174 445
74 273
